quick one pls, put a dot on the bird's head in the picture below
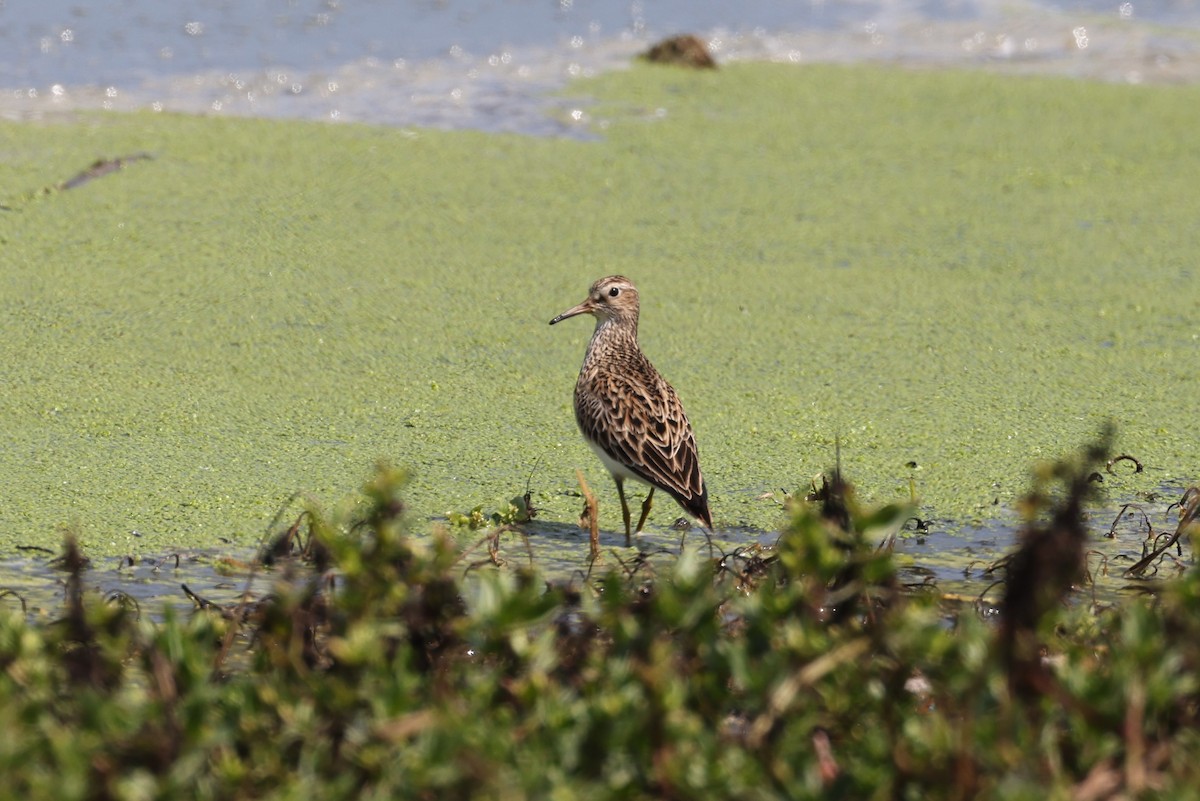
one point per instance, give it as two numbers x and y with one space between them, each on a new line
614 298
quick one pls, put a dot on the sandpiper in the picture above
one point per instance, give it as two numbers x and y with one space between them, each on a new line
628 413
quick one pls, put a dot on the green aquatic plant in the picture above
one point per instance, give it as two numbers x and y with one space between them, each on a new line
517 511
207 333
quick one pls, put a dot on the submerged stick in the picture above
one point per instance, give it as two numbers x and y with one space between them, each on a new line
1189 516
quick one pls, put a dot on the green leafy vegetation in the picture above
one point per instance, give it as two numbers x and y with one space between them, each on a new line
378 669
518 510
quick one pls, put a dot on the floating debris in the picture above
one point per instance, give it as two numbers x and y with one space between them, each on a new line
100 168
682 51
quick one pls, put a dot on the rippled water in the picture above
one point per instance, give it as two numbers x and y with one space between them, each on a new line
489 64
961 567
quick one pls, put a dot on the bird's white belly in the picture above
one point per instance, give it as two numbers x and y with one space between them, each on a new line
616 468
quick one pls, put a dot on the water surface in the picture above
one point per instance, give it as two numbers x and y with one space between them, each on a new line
494 64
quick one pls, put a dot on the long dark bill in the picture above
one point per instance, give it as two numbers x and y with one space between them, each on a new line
582 308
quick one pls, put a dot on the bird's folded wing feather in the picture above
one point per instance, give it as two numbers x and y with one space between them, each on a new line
644 427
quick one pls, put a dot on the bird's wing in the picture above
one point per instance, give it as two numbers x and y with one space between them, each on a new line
641 424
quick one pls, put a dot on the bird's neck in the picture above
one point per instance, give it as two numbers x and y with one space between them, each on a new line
612 337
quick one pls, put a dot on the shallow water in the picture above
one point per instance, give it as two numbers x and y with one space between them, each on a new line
494 66
961 563
151 584
962 567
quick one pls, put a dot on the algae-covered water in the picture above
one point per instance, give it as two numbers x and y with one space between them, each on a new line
950 274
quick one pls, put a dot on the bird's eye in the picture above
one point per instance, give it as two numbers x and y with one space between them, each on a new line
612 293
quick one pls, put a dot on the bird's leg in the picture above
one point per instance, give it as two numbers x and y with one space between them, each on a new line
646 504
624 509
590 517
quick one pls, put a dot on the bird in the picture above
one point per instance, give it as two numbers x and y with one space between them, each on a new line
628 413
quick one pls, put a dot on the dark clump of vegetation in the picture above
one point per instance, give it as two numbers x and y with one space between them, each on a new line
800 670
681 51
